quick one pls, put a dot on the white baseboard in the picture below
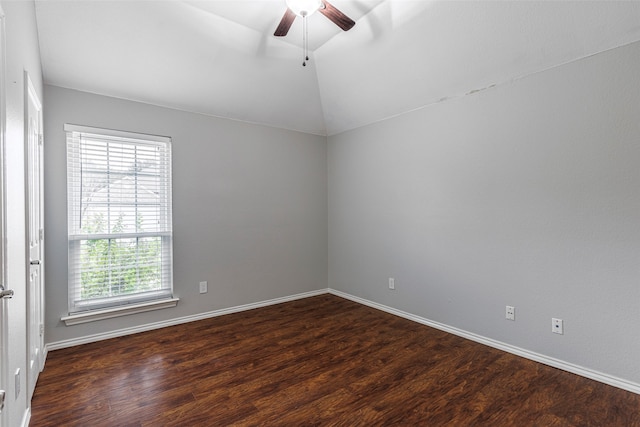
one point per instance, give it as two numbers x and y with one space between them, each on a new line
550 361
177 321
26 418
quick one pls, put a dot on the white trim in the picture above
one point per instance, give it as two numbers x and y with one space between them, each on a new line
123 310
35 300
177 321
4 332
98 236
116 133
26 418
45 353
527 354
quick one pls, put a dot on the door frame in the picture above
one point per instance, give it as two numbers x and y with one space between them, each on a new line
4 354
30 95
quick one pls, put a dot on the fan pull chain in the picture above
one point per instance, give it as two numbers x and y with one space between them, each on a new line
306 46
305 40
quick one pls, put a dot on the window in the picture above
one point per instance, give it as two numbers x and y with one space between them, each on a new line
119 218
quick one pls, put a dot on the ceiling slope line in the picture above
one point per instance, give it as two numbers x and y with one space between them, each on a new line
476 91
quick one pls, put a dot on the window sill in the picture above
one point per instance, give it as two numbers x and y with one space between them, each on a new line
95 315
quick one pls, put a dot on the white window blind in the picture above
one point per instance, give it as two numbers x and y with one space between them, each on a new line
119 218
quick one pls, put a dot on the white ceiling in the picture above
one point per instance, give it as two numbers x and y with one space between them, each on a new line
219 57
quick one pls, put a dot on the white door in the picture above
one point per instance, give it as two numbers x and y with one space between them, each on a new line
35 235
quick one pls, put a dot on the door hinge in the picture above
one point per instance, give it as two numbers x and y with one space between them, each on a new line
41 329
40 139
41 234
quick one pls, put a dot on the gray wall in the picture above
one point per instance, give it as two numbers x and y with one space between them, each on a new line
524 194
249 208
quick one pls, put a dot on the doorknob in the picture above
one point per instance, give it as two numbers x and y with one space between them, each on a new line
35 262
5 293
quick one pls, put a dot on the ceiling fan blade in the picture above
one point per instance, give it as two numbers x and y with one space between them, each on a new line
285 23
337 17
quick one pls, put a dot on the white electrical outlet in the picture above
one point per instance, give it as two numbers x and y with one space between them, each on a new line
511 313
392 283
556 326
203 287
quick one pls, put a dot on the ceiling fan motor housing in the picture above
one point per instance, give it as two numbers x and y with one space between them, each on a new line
304 7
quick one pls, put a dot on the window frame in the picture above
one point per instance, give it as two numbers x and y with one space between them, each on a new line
80 310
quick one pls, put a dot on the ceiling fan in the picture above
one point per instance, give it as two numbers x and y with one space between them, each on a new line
305 8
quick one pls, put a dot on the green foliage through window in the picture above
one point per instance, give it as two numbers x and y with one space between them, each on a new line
118 266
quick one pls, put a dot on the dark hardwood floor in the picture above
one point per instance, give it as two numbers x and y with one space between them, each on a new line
321 361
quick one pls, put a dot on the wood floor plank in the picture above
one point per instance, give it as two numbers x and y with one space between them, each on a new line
321 361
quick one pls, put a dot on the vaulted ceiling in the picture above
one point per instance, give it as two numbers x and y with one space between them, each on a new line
219 57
